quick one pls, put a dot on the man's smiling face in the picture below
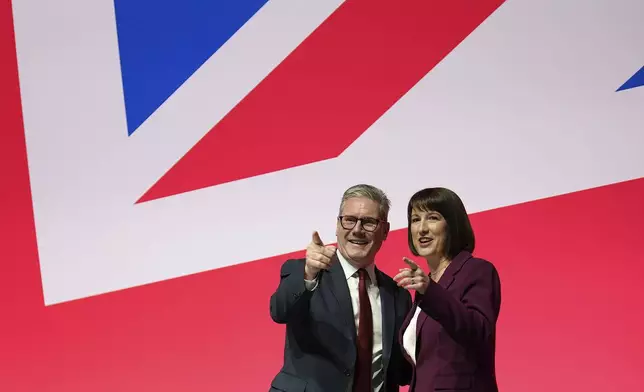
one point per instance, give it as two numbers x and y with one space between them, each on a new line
360 230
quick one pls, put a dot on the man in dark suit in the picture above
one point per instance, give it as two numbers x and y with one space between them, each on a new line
342 314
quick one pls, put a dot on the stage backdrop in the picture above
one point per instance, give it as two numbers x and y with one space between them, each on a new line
159 160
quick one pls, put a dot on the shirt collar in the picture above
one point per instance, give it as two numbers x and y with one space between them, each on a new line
350 270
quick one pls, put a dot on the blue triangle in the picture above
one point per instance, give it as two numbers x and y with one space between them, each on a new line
163 42
636 80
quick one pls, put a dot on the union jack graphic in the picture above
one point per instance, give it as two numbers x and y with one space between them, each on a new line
161 159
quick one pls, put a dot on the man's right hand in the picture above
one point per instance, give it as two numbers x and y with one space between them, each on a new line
318 257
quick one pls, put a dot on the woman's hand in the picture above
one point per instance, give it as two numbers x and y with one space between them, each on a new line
412 277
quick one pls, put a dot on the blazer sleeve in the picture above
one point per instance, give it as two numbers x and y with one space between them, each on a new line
291 299
405 369
472 319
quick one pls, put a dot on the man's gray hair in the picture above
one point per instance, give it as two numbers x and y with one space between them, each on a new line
370 192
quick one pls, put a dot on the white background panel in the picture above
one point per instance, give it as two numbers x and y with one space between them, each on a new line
517 112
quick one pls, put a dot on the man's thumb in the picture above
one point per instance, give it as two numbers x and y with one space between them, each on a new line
316 239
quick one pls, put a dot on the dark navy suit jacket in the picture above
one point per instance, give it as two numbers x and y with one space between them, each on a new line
456 329
320 347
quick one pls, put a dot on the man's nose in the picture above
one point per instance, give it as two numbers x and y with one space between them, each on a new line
358 227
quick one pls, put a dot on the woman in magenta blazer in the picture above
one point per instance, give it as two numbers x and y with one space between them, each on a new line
449 335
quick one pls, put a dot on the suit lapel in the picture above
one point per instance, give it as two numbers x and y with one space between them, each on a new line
422 317
388 318
453 268
446 281
340 290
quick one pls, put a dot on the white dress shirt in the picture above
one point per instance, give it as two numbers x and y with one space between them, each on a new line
409 337
351 274
410 334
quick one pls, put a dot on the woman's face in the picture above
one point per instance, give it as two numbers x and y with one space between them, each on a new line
428 233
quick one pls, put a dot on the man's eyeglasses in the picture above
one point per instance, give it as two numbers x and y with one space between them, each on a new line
349 222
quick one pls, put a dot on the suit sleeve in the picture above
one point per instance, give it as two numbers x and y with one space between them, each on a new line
472 319
405 369
291 299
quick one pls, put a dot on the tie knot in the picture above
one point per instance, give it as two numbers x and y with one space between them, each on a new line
362 274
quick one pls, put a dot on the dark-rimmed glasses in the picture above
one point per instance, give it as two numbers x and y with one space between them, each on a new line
348 222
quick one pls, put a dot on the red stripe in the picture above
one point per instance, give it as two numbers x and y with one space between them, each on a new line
16 219
323 96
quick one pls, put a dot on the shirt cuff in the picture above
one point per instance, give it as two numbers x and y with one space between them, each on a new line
311 284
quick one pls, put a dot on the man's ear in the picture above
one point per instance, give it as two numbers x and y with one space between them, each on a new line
385 230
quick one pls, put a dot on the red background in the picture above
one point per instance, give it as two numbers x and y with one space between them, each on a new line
570 266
